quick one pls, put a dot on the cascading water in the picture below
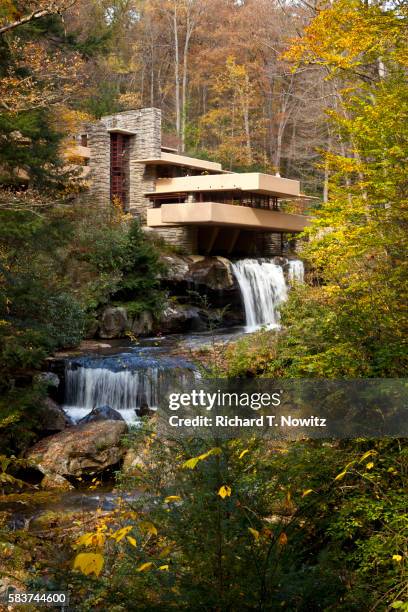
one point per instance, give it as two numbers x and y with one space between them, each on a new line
296 271
263 288
125 382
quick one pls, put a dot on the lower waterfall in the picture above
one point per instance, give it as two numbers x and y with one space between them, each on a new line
264 287
125 382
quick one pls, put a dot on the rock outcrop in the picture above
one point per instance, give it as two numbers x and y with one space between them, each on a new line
101 413
213 273
195 285
53 417
114 322
142 324
179 318
87 449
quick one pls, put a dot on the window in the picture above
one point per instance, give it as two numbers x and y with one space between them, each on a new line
119 167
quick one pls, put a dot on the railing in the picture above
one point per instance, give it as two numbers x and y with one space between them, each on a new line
236 198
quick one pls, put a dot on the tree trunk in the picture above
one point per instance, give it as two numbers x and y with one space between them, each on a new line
184 84
176 69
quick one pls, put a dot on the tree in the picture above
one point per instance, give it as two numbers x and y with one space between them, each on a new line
355 320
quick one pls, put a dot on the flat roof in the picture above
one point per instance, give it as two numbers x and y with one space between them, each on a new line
255 182
183 160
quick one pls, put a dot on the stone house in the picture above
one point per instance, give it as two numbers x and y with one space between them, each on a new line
192 203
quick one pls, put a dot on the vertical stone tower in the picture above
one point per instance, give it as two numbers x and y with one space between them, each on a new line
116 142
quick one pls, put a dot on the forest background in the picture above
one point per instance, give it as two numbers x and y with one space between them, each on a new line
314 91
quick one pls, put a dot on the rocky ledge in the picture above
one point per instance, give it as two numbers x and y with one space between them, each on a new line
200 289
86 449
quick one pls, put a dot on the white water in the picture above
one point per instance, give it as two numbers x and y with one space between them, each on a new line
296 272
125 390
263 289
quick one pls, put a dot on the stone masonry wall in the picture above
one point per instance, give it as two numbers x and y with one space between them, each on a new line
99 165
272 244
183 237
145 143
146 123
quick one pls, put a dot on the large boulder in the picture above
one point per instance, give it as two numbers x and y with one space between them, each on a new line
178 318
215 273
78 451
177 267
53 417
57 482
101 413
114 322
142 324
212 272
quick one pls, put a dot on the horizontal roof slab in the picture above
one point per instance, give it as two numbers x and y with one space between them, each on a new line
248 181
215 213
182 160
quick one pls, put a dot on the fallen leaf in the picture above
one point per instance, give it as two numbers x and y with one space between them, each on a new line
225 491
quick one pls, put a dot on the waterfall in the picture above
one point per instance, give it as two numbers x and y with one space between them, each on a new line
296 271
263 288
124 382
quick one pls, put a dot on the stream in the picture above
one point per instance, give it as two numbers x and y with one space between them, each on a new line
127 377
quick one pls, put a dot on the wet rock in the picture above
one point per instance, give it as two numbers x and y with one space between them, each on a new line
92 447
52 482
133 462
114 322
177 318
49 378
53 417
144 410
101 413
213 272
142 325
280 261
177 267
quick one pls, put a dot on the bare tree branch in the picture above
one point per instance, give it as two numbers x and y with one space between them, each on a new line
51 9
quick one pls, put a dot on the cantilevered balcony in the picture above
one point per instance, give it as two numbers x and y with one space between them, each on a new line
218 214
254 182
243 201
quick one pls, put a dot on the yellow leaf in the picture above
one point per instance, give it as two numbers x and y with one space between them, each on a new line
367 454
172 498
225 491
148 527
165 552
191 463
244 452
132 541
341 475
397 558
120 534
89 563
283 539
85 539
144 567
369 465
307 492
164 567
254 532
